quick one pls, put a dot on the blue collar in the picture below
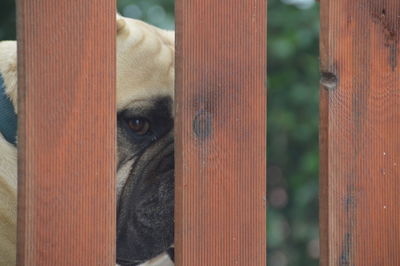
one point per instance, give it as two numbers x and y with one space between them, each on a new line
8 118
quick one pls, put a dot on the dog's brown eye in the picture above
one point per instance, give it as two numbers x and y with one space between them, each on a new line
139 125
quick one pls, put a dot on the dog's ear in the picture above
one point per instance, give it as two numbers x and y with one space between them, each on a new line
120 23
8 69
145 61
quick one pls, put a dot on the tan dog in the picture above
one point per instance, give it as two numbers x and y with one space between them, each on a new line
145 91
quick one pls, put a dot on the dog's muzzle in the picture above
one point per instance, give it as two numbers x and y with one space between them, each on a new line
145 218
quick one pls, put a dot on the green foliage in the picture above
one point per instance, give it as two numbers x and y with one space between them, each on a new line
293 90
157 12
293 75
7 20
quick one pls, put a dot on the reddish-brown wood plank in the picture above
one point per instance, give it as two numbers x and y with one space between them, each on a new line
221 133
66 72
360 129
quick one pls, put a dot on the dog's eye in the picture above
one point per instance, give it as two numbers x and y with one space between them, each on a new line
139 125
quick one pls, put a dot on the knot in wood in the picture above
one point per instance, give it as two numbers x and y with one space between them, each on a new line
329 80
202 125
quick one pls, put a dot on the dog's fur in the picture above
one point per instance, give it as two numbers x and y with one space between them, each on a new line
145 82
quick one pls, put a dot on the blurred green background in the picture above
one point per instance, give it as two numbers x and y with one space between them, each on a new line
293 84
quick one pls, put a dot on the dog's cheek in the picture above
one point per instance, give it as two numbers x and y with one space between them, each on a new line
122 175
157 207
153 212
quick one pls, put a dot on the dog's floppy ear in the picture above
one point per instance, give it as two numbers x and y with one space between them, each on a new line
8 69
145 61
120 23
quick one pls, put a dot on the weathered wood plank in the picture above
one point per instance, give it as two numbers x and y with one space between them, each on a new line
221 133
360 129
66 65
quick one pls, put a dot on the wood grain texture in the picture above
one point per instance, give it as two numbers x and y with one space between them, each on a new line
360 129
220 133
66 72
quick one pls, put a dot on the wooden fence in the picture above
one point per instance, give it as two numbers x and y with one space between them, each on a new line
220 133
66 192
66 155
360 129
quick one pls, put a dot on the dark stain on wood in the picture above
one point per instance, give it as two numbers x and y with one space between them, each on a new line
389 21
345 257
202 125
393 56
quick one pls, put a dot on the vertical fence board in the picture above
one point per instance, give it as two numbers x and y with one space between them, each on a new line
66 65
360 129
221 133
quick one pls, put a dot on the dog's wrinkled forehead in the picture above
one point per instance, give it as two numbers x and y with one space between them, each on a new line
145 62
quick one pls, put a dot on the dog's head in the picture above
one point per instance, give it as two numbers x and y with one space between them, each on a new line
145 185
145 161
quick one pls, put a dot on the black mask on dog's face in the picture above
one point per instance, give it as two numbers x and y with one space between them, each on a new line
145 187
